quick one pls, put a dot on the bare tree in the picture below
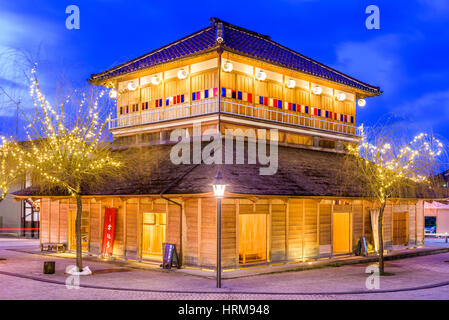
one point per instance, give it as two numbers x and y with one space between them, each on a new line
68 150
389 168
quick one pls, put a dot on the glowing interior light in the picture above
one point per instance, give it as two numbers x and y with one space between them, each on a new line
182 74
227 66
261 75
317 90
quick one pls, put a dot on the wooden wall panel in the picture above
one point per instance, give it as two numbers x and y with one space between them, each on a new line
357 225
173 224
387 224
64 221
412 223
95 225
278 224
325 229
295 229
44 220
229 254
131 228
54 221
191 247
208 227
420 222
119 228
310 228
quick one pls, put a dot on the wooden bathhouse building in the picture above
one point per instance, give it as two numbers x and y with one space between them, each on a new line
227 77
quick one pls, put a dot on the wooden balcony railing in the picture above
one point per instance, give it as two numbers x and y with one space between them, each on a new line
210 106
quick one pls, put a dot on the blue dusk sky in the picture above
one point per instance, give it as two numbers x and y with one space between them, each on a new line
407 57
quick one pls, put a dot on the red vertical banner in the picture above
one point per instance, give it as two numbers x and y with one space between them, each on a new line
110 216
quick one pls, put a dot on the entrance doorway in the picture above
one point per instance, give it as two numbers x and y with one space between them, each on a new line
153 235
84 230
400 228
341 233
252 238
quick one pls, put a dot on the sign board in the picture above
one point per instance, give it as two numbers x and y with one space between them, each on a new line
110 216
170 256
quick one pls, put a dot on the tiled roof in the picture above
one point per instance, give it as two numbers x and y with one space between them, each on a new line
241 41
300 172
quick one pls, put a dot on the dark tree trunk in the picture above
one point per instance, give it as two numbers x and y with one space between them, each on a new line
381 238
79 251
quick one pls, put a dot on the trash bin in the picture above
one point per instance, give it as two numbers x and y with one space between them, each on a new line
49 267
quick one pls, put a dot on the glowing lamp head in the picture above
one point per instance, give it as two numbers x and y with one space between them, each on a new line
341 96
317 90
182 74
219 186
113 94
155 80
291 83
361 102
261 75
227 66
132 86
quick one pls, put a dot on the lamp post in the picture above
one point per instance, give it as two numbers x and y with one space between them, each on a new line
219 188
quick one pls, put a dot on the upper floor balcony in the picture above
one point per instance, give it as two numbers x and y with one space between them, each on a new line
257 113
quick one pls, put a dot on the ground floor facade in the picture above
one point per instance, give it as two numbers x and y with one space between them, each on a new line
255 230
436 218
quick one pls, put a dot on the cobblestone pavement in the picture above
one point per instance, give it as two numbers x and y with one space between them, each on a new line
411 272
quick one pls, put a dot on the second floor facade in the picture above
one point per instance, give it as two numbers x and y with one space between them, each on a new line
222 88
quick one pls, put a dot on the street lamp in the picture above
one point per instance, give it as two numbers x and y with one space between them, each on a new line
219 188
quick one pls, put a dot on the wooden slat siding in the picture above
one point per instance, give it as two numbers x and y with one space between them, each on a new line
95 225
145 206
173 224
119 229
278 230
295 229
54 219
208 232
44 220
387 225
325 229
64 221
357 224
368 231
131 229
229 235
412 223
191 220
310 229
420 222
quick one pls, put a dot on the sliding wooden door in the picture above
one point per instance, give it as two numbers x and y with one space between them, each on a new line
252 238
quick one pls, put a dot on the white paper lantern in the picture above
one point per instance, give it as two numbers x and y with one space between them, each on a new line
227 66
317 90
261 75
182 74
361 102
132 86
341 96
155 80
291 83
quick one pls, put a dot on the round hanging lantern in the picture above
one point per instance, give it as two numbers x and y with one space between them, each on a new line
227 66
132 86
317 90
341 96
361 102
113 94
291 83
182 74
155 80
261 75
